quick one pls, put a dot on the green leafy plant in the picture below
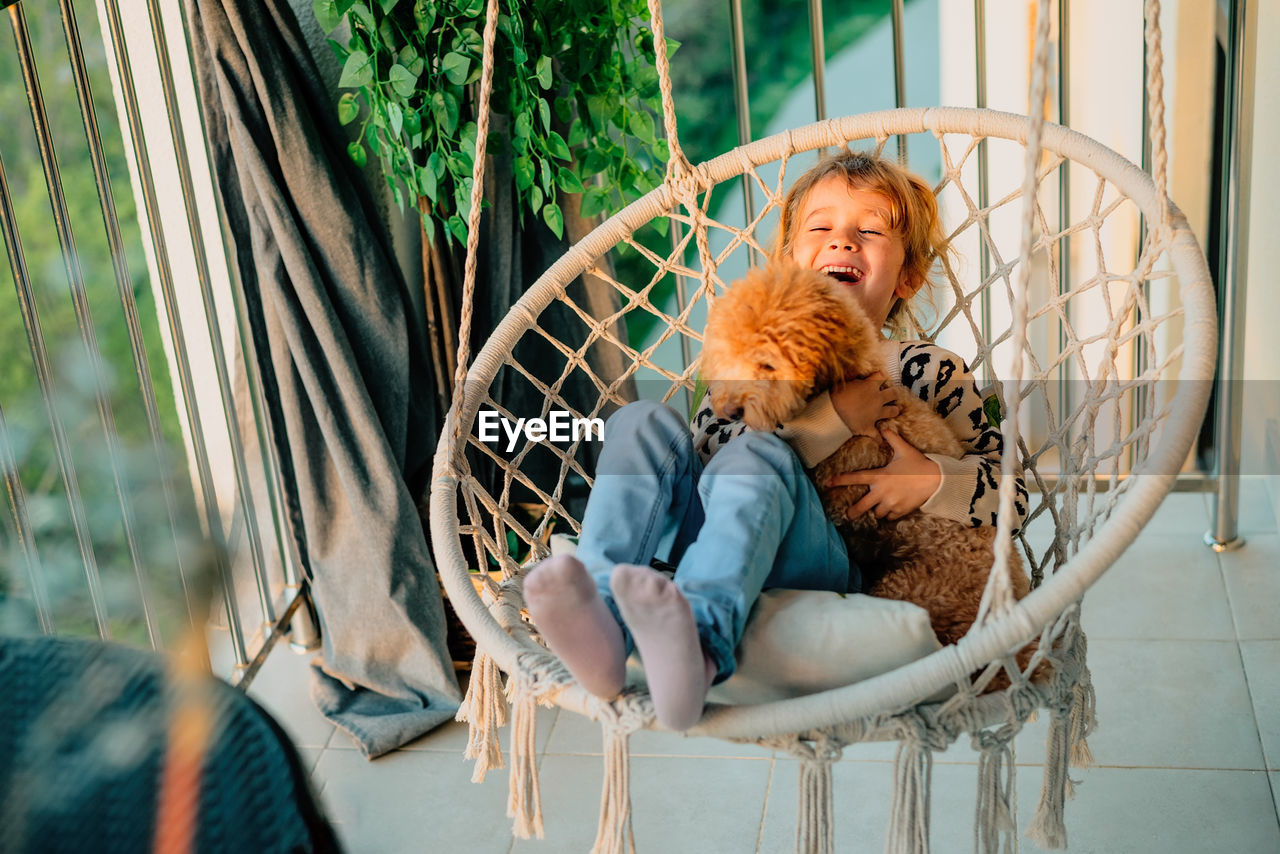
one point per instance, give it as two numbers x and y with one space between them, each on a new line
575 81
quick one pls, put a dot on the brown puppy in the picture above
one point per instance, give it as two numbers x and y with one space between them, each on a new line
781 335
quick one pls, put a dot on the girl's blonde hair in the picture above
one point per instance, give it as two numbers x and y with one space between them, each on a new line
913 215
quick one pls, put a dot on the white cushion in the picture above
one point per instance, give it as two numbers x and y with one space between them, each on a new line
803 641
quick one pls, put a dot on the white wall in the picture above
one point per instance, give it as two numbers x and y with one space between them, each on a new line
1260 457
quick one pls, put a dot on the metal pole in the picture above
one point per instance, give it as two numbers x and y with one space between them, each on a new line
984 251
1064 199
899 73
818 52
22 524
1224 534
682 299
742 106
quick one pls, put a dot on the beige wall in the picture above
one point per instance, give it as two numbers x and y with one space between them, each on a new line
1260 456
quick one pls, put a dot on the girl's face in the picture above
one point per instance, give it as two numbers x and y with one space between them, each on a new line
845 233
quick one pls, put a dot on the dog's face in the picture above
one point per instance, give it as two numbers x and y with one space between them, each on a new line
778 336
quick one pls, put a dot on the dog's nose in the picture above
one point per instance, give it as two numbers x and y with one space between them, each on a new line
734 413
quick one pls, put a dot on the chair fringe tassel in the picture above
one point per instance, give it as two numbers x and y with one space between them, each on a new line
815 831
994 827
485 710
1047 829
614 835
909 811
1082 723
524 797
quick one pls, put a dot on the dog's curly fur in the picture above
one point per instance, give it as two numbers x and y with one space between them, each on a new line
781 335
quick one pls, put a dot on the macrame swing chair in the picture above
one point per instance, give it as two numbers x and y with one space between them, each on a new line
1099 460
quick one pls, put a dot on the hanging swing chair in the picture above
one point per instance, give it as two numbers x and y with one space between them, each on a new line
1105 379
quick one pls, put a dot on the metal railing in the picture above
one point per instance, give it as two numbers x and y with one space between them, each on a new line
242 552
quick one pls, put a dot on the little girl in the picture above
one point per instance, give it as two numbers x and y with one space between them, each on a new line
732 508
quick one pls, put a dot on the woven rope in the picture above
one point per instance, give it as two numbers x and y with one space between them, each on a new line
473 219
677 164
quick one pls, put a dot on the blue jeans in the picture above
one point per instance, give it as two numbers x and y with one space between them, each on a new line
750 520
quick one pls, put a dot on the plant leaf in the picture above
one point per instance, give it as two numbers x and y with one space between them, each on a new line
362 14
358 71
577 132
458 227
544 111
357 154
348 108
543 72
395 116
553 218
641 124
523 127
594 200
456 66
556 146
445 109
524 173
388 5
327 14
427 183
424 12
404 81
569 182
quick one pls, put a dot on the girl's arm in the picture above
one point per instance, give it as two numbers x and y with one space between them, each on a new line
970 487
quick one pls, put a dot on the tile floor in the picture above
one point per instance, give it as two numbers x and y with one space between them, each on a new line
1185 652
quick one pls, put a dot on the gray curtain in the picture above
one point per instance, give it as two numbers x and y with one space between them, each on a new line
343 370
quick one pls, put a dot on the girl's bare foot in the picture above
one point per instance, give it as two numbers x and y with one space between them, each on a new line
575 622
659 618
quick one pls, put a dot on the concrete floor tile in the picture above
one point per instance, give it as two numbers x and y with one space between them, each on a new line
678 804
413 801
1167 704
1262 668
1252 575
1165 586
1147 810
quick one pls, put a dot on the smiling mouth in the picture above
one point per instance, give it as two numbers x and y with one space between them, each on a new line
847 275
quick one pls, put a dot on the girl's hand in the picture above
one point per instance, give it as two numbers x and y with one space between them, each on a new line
861 403
894 490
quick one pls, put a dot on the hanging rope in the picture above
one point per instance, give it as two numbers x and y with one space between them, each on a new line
998 595
678 165
473 229
1155 110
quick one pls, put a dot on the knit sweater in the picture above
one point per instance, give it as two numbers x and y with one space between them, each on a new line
969 491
